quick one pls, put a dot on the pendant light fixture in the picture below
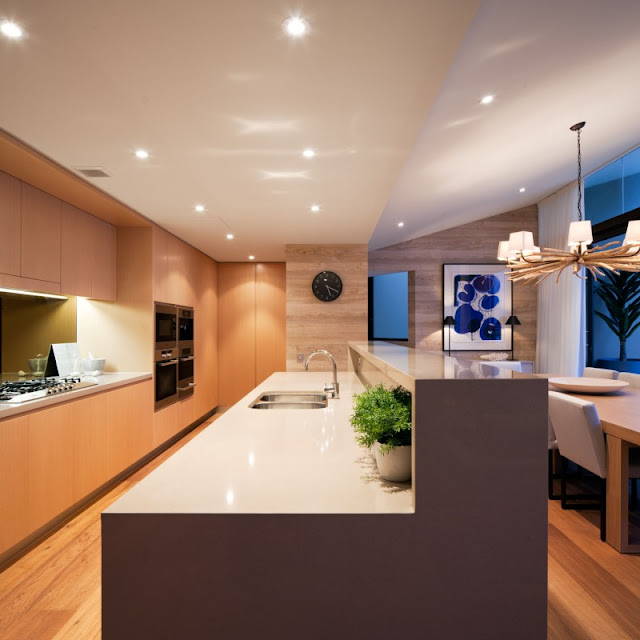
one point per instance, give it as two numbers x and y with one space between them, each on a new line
532 264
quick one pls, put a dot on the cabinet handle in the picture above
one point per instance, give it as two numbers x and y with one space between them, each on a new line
189 386
185 358
168 363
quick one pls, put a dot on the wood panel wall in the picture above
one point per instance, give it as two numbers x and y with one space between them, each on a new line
312 324
473 242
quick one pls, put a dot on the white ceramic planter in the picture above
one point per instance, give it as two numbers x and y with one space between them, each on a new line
395 464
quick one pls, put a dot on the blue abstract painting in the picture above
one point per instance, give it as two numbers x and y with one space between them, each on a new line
478 297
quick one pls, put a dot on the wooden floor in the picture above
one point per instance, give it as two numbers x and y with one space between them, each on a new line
53 592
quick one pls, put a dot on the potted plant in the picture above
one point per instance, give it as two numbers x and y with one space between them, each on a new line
382 420
621 295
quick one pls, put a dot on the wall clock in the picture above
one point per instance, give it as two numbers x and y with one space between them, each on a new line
326 286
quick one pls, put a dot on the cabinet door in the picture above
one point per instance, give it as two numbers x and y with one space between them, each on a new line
14 481
90 422
160 251
40 254
237 330
271 315
10 217
103 268
75 251
129 435
50 464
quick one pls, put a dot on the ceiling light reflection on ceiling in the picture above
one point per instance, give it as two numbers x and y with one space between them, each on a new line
11 29
308 153
199 208
487 99
295 26
143 154
229 236
315 208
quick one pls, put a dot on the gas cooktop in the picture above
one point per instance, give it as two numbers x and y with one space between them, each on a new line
26 390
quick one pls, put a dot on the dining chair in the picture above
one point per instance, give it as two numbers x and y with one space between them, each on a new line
580 439
632 378
594 372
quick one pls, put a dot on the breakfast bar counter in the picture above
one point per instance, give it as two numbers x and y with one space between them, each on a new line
275 523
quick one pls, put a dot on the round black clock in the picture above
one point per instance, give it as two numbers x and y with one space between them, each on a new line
327 286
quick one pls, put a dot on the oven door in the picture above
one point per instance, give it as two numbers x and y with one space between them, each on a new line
185 377
185 325
166 383
166 326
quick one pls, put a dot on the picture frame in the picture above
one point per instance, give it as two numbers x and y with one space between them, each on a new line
480 299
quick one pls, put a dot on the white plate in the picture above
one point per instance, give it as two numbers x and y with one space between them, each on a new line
588 385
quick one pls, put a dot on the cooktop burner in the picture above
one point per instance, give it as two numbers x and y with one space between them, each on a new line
26 390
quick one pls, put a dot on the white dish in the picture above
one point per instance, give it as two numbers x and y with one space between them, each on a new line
588 385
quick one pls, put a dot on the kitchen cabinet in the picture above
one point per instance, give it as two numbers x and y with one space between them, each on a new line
40 239
50 464
88 255
89 417
10 221
165 424
14 481
252 326
174 269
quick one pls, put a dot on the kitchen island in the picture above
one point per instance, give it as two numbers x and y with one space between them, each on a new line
275 524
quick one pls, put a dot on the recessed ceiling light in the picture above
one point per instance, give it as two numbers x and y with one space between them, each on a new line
401 224
11 29
487 99
295 26
252 257
308 153
143 154
315 208
229 236
199 208
522 189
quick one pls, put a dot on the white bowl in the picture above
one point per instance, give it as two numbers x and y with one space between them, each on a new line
93 366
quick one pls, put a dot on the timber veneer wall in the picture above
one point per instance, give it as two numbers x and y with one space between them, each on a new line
469 243
312 324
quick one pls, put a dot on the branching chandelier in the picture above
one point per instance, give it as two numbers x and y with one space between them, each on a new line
532 264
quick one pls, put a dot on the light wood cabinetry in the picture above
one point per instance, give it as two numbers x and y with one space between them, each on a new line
90 429
271 310
252 326
103 262
174 269
165 424
130 433
40 241
14 481
50 464
10 223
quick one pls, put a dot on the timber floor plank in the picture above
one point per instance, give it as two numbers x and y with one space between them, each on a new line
54 593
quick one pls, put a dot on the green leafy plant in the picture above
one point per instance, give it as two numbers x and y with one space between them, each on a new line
621 295
382 415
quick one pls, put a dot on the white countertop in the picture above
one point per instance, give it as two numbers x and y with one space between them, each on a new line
104 382
275 461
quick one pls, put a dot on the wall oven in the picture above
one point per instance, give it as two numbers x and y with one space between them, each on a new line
185 352
166 326
166 377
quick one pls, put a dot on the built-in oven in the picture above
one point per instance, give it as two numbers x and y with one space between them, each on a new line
166 326
166 377
186 354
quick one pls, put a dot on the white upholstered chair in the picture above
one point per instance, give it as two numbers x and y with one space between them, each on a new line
581 439
594 372
632 378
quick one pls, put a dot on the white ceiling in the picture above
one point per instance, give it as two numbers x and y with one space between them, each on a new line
386 92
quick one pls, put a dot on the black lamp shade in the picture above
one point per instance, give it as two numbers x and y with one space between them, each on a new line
449 321
513 321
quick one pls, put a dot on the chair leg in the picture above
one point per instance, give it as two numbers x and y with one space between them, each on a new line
603 510
563 482
550 476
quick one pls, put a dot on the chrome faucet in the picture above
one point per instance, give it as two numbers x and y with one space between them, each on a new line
331 388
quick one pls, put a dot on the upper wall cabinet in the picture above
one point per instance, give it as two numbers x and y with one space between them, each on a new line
40 242
10 199
174 268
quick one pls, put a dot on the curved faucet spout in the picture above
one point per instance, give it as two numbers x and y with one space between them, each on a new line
332 388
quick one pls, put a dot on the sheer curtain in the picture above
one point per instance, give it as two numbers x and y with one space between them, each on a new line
561 314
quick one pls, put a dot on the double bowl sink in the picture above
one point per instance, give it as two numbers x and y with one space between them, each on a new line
290 400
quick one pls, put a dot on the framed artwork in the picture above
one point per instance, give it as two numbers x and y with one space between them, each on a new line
479 299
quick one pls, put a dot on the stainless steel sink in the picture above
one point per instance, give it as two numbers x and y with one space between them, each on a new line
290 400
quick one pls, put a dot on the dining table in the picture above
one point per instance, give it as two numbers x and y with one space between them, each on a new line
619 414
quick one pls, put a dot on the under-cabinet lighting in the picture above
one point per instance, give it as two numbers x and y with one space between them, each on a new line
31 294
